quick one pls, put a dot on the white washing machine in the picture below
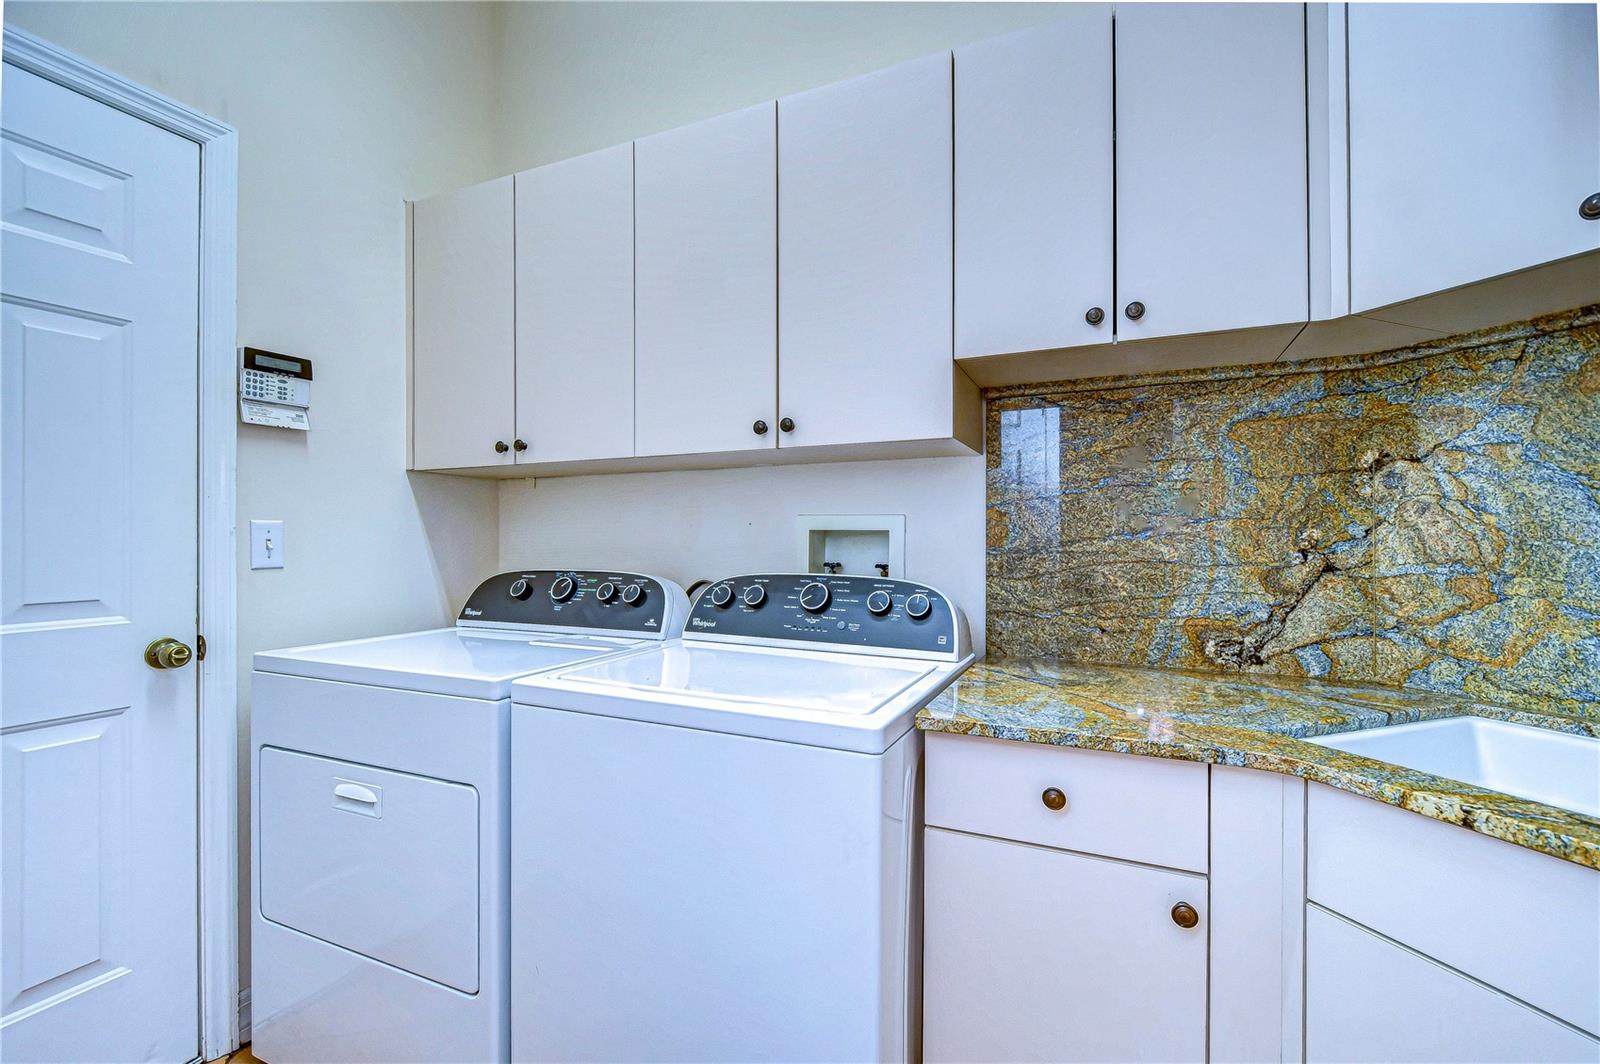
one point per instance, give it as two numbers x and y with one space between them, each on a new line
714 839
380 782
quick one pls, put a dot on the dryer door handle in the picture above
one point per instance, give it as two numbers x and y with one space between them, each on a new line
358 798
356 793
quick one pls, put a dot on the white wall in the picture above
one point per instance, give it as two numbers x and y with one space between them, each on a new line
343 111
574 77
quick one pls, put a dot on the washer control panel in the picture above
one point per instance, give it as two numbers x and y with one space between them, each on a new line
847 612
599 600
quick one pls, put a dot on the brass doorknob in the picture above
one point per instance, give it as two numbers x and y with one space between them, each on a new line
1184 915
167 654
1053 798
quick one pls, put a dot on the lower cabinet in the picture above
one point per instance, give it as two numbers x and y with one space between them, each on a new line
1369 999
1038 954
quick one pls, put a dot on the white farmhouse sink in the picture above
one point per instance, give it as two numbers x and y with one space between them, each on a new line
1546 766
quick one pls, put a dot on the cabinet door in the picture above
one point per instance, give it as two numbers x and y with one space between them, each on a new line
1211 167
462 347
1370 999
864 258
575 308
1037 954
706 255
1033 187
1474 136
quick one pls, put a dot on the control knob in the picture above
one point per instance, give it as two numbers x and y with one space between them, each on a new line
520 588
754 595
633 595
606 592
562 589
879 603
918 606
815 597
722 596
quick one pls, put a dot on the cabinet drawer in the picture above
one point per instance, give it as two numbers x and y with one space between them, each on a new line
1120 805
1369 999
1519 920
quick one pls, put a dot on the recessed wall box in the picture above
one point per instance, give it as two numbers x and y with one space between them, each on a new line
858 544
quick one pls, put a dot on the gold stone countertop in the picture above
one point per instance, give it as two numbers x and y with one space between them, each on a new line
1257 722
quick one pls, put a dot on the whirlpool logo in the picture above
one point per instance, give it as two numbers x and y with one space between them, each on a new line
470 612
701 622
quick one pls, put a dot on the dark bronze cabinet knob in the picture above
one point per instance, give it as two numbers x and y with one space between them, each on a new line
759 428
1095 316
1134 310
501 447
1589 209
518 446
1053 798
1184 915
787 424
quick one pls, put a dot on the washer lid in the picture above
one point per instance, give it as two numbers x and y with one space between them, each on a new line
843 701
464 662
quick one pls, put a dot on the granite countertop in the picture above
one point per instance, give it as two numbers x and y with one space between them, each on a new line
1256 722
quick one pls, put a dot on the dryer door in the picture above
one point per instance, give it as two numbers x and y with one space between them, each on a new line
382 863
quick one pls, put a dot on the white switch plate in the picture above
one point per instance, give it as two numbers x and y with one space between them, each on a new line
266 544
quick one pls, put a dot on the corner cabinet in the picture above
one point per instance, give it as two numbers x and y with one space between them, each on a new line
463 413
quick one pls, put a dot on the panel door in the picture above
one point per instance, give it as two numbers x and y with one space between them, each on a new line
1474 137
1038 954
1368 998
575 308
706 256
1033 187
864 258
462 355
98 474
1211 167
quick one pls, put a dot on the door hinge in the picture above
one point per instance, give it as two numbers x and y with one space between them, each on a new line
199 647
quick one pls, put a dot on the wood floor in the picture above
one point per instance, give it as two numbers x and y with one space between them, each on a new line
242 1055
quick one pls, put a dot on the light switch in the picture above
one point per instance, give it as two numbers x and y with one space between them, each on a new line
266 544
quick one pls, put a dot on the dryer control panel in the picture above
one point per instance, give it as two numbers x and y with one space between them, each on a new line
843 612
591 600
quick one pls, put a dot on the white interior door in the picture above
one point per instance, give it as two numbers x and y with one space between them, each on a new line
98 374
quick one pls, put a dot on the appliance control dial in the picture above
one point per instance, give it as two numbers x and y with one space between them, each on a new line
815 596
520 588
754 595
879 603
633 595
606 591
918 606
722 596
562 588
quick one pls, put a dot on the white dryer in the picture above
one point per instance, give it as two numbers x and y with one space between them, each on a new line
714 839
380 772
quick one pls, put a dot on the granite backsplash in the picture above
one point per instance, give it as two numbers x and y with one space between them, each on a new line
1427 517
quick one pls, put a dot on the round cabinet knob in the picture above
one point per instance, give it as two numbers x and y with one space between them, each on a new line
167 653
501 447
918 606
606 592
1589 209
520 588
787 424
1134 310
815 597
722 596
754 595
879 603
1185 915
633 595
519 446
562 589
1054 798
759 428
1095 315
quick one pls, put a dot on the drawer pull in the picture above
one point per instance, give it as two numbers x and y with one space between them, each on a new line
1054 799
1184 915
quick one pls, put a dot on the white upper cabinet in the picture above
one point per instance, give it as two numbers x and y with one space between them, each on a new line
574 325
1211 167
1033 174
461 338
864 258
1474 138
706 256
